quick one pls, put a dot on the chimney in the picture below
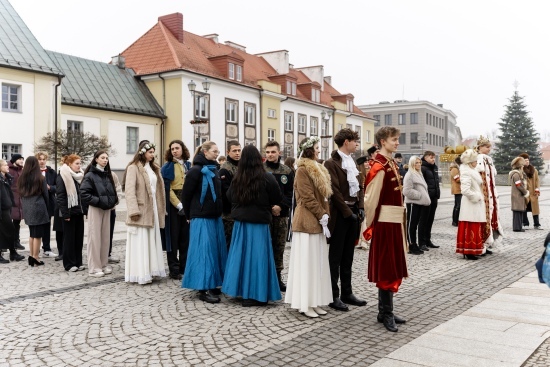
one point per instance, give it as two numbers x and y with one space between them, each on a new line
440 105
212 36
235 45
174 23
328 79
119 61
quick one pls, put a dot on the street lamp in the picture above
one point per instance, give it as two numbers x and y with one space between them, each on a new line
325 118
197 121
422 140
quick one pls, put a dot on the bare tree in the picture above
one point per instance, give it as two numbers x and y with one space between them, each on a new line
83 144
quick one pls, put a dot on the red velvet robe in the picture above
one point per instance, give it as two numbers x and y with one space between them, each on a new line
387 259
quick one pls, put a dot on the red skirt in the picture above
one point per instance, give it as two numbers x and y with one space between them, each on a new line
469 238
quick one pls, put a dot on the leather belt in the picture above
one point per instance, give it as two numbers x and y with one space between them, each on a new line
350 202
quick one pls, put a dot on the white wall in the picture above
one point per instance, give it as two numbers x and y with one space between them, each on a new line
89 124
117 137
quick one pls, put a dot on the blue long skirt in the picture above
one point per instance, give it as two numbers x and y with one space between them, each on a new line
207 254
250 271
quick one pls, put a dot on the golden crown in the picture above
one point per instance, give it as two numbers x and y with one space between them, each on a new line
482 141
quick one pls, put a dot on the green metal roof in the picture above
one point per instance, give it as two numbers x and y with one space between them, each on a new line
19 49
95 84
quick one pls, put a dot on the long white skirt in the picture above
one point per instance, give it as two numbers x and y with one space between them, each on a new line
308 282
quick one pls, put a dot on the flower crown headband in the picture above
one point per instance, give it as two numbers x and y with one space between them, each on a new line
308 144
146 147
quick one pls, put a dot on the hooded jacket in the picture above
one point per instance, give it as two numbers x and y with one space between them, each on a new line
192 189
431 175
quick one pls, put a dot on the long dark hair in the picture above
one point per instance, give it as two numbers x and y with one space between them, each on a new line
168 157
107 167
250 177
31 181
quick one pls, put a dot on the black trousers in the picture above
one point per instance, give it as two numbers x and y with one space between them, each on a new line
456 208
7 231
427 216
413 218
73 241
58 228
46 239
17 229
112 230
340 254
536 221
179 240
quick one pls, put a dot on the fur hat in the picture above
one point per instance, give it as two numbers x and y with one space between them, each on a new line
15 157
372 149
398 155
361 160
469 156
524 155
518 162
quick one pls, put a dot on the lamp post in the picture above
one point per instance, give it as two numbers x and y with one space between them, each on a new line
325 118
198 121
422 140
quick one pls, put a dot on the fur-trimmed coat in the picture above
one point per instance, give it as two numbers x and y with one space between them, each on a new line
472 204
139 197
520 194
312 189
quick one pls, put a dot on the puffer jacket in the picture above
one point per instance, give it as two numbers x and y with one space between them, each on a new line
6 195
97 189
415 189
431 175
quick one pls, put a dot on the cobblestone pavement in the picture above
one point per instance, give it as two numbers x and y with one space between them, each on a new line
49 317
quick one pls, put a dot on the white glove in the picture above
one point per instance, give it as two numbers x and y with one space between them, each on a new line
324 222
526 195
179 206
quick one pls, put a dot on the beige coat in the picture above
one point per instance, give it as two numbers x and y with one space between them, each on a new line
455 179
519 190
139 197
312 189
533 185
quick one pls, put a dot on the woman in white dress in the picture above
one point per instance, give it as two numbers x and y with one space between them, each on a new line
309 284
145 200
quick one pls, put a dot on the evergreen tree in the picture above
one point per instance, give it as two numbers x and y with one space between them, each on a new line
517 135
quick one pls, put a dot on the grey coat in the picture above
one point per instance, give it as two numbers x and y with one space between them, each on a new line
35 208
415 189
520 195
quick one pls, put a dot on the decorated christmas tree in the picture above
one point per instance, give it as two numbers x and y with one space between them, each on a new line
517 135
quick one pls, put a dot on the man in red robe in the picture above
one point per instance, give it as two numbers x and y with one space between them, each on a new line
385 213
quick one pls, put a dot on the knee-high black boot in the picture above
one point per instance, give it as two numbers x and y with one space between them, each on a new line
380 317
386 298
456 213
282 285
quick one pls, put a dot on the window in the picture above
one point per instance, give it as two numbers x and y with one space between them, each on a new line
74 127
387 119
340 127
289 121
414 118
367 136
324 128
132 139
10 149
231 71
202 106
270 134
288 151
231 111
401 119
271 113
249 113
358 129
403 138
414 138
377 118
302 121
11 98
290 88
74 134
427 121
316 95
239 73
313 125
349 105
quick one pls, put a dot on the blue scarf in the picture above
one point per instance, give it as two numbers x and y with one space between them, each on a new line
208 172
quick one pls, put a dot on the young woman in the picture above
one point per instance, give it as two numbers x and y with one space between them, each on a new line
145 200
34 198
520 194
471 221
202 204
7 230
416 195
454 172
72 210
250 271
99 194
309 285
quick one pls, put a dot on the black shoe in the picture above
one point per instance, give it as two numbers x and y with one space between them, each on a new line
14 256
470 257
380 317
488 252
415 250
337 304
249 302
215 291
519 230
431 245
207 297
19 246
455 224
282 286
353 300
59 258
424 248
2 260
175 276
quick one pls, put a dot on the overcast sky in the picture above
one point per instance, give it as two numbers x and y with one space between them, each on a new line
465 54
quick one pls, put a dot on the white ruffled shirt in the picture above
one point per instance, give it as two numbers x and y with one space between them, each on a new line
348 164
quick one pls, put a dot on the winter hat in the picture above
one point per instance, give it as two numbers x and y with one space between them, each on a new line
524 155
372 149
468 156
15 157
398 155
361 160
518 162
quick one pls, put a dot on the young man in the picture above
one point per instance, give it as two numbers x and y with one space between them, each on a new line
227 171
427 215
51 178
493 233
346 215
534 192
15 167
176 231
386 215
399 160
279 223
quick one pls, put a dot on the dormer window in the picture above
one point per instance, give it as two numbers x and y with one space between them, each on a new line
290 88
316 95
350 105
231 72
239 70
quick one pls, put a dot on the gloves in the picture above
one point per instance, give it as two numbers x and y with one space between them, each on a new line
181 212
324 222
361 215
353 217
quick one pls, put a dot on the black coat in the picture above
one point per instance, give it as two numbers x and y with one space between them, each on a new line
51 180
97 189
192 188
6 195
285 178
62 203
431 175
258 211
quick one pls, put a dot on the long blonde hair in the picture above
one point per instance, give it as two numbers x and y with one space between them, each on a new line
412 165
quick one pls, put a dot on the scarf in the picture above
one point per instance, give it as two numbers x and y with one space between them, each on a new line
208 172
348 164
69 177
